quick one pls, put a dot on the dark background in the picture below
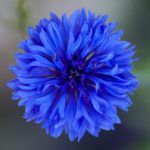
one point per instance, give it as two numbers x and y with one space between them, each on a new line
134 132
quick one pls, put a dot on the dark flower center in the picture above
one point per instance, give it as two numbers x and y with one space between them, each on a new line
74 76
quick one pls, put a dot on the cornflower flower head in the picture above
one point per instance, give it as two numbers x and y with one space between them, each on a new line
73 74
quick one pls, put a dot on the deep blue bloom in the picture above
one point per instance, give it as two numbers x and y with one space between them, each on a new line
73 74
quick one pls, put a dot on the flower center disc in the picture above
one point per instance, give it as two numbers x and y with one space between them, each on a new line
74 76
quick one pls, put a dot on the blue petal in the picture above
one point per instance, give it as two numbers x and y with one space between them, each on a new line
33 34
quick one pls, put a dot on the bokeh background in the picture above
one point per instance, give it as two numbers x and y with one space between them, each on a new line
134 132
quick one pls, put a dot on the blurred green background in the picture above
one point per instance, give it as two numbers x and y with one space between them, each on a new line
134 132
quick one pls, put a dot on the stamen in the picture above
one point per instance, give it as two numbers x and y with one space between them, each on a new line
89 56
52 69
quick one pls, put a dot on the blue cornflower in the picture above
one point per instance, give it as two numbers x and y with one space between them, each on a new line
74 74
